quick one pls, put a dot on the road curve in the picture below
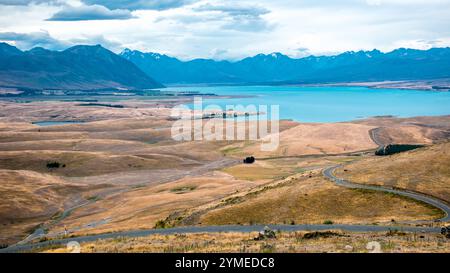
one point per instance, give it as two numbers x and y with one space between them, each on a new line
328 172
229 228
373 134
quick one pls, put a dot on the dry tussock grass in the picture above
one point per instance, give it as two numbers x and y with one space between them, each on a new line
292 242
425 170
316 200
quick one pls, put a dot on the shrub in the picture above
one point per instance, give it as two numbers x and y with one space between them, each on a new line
328 222
53 165
180 190
160 224
249 160
267 248
320 234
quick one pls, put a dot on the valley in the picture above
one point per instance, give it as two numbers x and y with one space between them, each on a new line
232 128
120 170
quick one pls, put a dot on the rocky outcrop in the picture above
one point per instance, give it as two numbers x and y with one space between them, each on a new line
267 233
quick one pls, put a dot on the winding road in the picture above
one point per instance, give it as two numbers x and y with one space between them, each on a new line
373 134
329 173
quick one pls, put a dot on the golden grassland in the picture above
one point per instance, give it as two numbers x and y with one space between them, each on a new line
28 199
425 170
264 170
7 127
317 200
419 130
144 206
313 138
74 163
280 168
407 134
285 242
125 154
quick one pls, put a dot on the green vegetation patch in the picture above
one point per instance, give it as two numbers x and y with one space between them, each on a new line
184 189
93 198
231 150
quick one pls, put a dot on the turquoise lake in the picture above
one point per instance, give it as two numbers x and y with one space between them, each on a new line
331 104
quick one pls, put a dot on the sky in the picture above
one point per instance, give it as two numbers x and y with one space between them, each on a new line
227 29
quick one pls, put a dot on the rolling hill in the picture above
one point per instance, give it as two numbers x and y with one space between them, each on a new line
425 170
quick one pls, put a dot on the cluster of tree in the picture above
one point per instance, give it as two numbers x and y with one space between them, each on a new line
55 165
249 160
396 148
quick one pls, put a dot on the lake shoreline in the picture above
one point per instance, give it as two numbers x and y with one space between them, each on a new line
312 104
441 85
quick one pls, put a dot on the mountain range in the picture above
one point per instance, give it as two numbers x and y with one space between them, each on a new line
400 64
78 67
94 67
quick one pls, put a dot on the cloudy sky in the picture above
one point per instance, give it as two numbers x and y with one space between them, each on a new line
227 29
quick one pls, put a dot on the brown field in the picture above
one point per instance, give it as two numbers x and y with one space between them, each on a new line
286 242
425 170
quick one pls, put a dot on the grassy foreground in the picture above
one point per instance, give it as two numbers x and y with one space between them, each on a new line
327 241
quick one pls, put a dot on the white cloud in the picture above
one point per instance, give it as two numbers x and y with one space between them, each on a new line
140 4
33 39
238 28
43 39
25 2
94 12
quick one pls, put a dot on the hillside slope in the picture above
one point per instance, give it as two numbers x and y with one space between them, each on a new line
425 170
79 67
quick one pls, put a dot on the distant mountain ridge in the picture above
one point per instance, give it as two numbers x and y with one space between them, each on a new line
94 67
78 67
400 64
